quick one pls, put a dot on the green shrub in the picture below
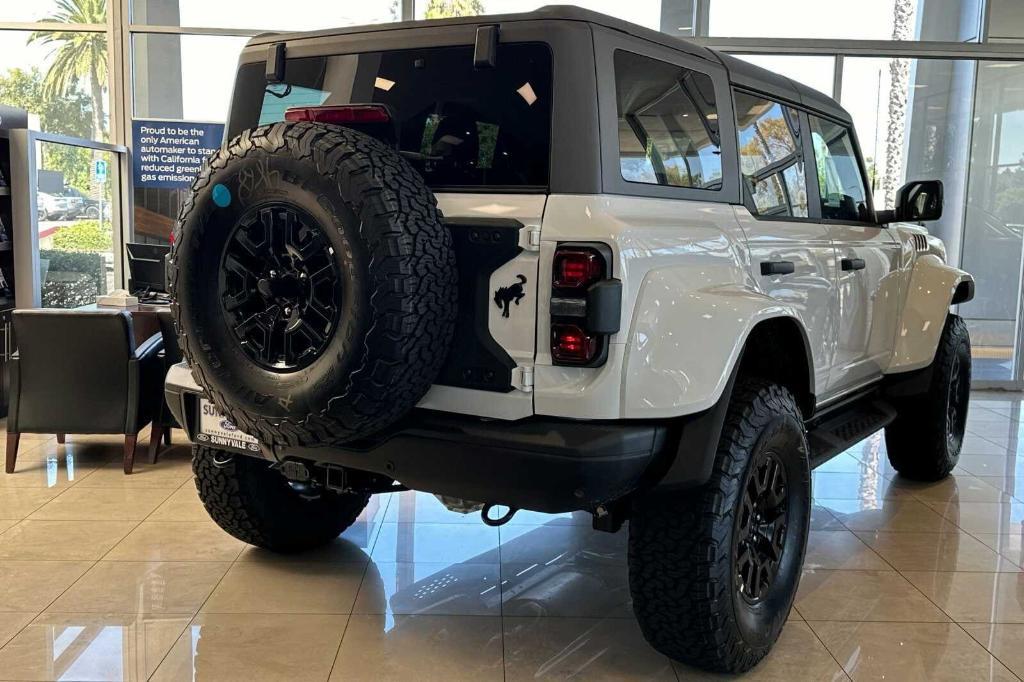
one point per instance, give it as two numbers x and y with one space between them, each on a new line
73 278
86 235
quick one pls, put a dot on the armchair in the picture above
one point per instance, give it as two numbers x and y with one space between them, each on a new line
80 372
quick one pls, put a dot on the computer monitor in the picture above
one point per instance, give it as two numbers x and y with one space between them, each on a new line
146 268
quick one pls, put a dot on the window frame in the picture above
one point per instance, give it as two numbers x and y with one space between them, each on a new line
606 43
861 168
813 200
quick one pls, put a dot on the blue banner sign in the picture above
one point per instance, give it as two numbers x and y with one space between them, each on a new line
169 154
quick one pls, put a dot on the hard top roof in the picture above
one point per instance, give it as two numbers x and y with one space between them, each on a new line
740 72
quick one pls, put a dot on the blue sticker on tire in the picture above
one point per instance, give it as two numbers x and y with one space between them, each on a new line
221 195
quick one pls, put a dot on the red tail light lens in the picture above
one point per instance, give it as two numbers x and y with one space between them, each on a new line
572 345
340 114
577 268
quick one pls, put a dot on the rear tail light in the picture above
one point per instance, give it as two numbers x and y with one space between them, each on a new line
585 304
577 268
572 345
341 114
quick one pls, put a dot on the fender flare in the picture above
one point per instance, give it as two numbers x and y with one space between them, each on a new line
932 288
684 343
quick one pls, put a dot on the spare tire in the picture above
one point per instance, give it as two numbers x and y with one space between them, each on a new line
314 284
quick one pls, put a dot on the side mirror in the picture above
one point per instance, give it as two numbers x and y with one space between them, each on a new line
916 201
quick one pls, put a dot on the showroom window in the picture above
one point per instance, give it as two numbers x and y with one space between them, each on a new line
668 124
840 183
266 15
770 157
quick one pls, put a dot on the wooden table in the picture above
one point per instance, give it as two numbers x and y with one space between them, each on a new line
144 317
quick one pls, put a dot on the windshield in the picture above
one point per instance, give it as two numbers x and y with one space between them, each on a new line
461 127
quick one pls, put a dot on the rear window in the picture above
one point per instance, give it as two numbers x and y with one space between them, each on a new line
459 126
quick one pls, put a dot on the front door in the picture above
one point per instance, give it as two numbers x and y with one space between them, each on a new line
867 260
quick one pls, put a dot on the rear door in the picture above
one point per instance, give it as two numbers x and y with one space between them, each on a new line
791 256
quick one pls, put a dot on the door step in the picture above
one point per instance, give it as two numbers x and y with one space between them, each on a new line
853 423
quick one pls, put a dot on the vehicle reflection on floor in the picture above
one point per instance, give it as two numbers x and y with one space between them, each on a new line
108 577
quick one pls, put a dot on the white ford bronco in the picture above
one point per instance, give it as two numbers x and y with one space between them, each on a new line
557 262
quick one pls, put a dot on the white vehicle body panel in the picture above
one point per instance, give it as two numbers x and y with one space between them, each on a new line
868 304
517 333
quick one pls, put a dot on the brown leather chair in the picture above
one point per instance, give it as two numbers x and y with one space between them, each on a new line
80 372
171 355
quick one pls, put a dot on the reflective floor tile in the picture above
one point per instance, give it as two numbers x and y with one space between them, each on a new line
1009 545
430 588
250 647
176 541
958 487
862 596
974 597
557 542
846 462
1003 641
909 651
956 551
797 655
6 523
822 519
340 550
991 465
32 585
891 515
983 517
580 648
442 648
85 647
840 549
287 587
867 484
18 503
11 624
436 543
34 539
411 506
163 474
183 505
86 504
52 472
978 445
577 586
1011 485
152 587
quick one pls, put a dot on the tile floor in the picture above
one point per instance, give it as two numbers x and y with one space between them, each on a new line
107 577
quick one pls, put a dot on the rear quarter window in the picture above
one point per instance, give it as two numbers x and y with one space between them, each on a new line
461 127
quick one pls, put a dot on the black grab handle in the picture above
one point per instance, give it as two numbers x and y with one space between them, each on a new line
853 263
777 267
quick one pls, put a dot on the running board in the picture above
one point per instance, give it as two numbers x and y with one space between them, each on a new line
846 427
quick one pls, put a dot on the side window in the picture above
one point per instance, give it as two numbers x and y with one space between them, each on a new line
843 194
668 124
771 160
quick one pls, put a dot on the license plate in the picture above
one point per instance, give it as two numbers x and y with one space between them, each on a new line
217 430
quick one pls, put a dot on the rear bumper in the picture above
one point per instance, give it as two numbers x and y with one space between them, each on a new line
547 465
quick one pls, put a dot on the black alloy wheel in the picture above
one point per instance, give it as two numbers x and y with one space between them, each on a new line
761 527
279 287
956 402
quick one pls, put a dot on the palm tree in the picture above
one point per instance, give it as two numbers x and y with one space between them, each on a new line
77 55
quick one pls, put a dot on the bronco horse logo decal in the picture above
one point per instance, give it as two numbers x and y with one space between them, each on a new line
504 296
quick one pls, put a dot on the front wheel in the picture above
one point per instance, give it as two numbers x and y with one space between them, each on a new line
257 505
924 441
713 571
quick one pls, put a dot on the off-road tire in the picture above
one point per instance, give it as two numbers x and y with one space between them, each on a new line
682 567
395 296
257 505
924 440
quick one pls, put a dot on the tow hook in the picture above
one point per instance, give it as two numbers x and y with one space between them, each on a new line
485 515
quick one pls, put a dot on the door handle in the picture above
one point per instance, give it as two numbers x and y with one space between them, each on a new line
777 267
853 264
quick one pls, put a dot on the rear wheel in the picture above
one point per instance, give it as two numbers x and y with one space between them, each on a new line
924 441
713 572
257 505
